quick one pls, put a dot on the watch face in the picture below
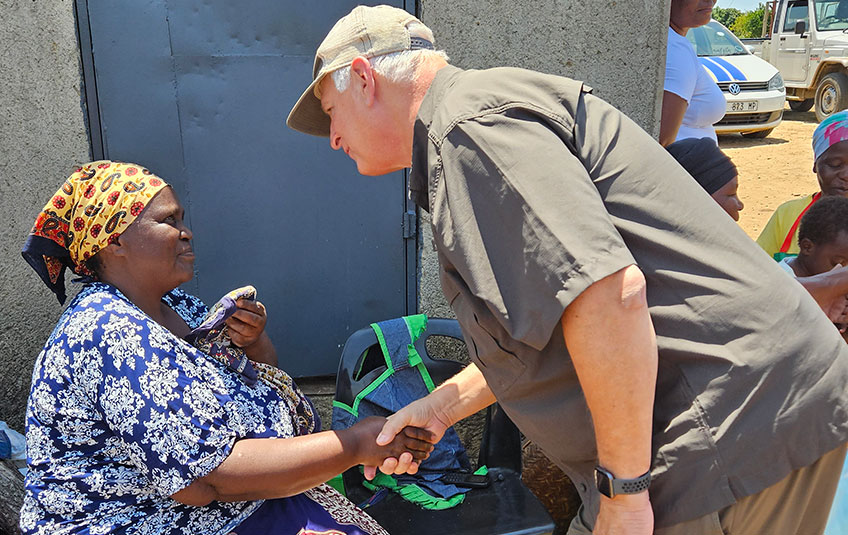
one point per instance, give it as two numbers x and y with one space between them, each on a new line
603 480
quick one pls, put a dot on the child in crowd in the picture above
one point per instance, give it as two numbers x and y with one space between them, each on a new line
822 239
779 237
712 169
823 244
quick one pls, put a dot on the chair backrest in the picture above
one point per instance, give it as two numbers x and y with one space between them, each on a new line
362 362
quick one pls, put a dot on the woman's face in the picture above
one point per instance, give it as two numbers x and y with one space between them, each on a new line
687 14
157 244
832 170
727 197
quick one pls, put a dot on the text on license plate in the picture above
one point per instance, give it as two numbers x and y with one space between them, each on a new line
745 105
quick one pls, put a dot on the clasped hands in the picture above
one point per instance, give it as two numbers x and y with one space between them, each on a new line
417 427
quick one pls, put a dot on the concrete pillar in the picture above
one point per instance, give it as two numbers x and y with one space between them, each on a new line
42 136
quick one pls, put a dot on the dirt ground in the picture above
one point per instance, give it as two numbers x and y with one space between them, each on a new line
773 170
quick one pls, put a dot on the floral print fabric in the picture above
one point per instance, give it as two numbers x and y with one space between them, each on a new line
122 414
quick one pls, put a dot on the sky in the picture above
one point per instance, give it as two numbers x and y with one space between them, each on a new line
741 5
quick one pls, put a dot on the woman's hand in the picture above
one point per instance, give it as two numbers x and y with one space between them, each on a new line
247 323
247 331
411 440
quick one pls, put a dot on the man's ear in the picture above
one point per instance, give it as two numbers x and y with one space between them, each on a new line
814 167
363 80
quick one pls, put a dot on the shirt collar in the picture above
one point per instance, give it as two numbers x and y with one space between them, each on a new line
419 174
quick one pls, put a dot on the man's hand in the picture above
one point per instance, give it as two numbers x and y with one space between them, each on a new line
410 441
627 514
424 414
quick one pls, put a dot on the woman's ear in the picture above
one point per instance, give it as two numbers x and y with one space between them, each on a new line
109 255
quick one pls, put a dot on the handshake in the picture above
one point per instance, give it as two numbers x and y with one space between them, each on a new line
399 443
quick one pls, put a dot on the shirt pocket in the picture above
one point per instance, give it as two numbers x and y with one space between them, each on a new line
488 347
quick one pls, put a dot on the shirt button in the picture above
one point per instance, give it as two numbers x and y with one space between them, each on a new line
584 487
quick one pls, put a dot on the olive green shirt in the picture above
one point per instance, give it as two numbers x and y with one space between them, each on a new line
536 190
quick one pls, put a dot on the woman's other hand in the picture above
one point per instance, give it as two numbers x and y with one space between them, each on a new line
411 443
247 323
247 331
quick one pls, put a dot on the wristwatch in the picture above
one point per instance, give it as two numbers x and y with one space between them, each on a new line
610 486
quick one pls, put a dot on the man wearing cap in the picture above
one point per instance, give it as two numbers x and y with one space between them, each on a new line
622 320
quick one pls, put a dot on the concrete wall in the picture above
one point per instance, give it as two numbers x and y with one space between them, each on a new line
42 135
616 46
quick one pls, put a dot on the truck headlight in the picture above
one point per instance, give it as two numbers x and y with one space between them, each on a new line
776 83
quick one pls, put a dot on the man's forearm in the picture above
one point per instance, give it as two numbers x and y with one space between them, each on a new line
611 340
463 394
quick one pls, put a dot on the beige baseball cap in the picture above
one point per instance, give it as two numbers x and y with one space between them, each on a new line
365 31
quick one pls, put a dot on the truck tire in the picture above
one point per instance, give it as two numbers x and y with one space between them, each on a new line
801 105
831 95
760 134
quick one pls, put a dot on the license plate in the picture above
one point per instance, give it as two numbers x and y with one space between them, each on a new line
745 105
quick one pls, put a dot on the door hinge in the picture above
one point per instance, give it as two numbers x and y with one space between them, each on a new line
410 224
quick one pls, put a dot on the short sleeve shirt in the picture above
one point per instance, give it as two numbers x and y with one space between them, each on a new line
688 79
536 190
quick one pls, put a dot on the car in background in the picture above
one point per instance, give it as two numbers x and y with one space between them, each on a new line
752 86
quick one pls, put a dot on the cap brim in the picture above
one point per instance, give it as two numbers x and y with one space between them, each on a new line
307 116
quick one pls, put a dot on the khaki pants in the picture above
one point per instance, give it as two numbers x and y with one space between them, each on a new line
796 505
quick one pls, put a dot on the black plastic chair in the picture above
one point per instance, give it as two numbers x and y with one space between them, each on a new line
505 507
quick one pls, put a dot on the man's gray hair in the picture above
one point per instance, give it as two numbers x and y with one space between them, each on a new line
398 67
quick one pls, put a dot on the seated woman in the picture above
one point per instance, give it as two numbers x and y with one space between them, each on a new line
712 169
779 237
130 429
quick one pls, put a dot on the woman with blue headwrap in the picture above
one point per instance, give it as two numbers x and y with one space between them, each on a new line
779 238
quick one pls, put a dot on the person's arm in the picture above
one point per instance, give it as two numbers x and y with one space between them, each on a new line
247 331
264 468
459 397
830 290
611 340
673 109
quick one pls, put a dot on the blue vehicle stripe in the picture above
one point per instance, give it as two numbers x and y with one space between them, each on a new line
734 72
720 74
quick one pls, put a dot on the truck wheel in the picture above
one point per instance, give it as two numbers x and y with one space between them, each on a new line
760 134
801 105
831 95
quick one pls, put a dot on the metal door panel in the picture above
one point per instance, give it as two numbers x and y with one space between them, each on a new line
199 92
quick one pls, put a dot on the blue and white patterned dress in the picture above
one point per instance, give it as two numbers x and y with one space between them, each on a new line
122 414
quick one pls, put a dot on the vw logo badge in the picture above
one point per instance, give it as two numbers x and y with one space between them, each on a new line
734 89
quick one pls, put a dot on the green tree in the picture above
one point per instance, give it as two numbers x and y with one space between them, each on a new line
749 24
726 15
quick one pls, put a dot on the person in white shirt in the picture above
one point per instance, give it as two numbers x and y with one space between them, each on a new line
692 102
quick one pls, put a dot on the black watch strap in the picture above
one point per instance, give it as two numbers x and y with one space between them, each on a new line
610 486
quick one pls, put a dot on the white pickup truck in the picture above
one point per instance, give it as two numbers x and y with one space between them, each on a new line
808 42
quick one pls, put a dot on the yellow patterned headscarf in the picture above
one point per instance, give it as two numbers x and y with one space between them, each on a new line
91 209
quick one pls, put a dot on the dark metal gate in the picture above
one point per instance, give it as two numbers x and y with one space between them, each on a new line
198 91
